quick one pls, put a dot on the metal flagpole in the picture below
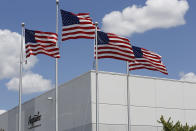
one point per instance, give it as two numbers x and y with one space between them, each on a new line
20 80
128 100
56 85
97 89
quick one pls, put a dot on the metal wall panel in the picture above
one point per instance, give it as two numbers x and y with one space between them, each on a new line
142 116
169 94
142 91
74 109
189 95
175 114
112 88
4 121
150 98
75 104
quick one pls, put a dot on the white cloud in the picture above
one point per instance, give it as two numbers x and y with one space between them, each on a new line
10 46
2 111
10 43
188 77
155 14
31 83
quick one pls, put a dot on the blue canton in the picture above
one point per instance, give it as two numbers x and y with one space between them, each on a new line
29 36
137 52
68 18
102 38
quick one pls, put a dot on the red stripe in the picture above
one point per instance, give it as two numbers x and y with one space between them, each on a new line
78 32
86 23
78 37
118 41
153 57
42 49
150 53
115 48
50 33
149 69
47 37
49 42
157 64
149 60
78 27
121 46
37 45
85 18
79 14
114 57
53 55
117 37
149 65
125 53
116 53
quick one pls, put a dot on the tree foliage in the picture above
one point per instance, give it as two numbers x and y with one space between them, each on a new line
170 126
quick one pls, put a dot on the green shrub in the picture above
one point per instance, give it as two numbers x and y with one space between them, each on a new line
170 126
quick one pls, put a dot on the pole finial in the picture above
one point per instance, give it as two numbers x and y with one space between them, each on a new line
96 23
57 1
22 24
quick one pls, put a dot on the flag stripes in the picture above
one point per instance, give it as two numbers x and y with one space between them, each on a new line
38 42
113 46
148 60
85 16
77 26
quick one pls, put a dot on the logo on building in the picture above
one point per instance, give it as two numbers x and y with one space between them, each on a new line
34 121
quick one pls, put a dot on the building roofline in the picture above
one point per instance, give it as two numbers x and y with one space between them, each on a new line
148 77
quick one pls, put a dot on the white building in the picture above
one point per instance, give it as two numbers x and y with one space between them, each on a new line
150 98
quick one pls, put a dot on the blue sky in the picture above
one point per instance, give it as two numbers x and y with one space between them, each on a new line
163 26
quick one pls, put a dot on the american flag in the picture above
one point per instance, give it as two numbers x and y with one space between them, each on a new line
77 26
145 59
113 46
38 42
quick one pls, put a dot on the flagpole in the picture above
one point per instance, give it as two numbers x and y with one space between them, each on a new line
56 85
97 89
128 100
20 80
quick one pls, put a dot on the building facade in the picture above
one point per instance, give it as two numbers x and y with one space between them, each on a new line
149 98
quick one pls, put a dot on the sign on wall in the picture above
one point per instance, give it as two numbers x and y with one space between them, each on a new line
34 121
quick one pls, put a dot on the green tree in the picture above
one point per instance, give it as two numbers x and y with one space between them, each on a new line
170 126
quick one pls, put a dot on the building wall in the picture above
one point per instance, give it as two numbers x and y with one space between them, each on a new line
75 104
149 98
74 109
